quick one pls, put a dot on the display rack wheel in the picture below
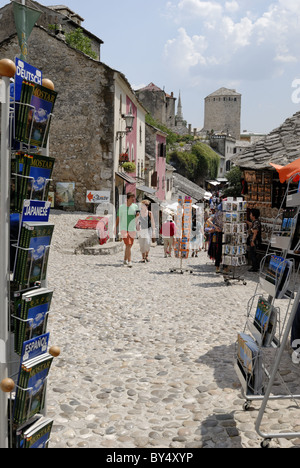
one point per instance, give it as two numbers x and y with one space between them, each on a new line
246 405
265 443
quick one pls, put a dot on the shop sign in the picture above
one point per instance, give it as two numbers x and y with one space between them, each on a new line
97 197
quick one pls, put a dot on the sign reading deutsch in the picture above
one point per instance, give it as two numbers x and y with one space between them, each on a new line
97 197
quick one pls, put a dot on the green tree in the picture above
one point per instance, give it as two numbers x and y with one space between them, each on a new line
80 42
234 177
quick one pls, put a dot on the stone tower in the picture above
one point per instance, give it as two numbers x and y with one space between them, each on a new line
179 115
222 112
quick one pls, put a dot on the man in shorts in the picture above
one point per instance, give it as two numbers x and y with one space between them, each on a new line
126 218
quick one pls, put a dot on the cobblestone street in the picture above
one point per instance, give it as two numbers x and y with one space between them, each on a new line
147 356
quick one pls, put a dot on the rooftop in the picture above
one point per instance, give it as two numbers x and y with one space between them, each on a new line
224 92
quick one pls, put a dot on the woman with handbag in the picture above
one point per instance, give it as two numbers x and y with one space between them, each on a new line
145 229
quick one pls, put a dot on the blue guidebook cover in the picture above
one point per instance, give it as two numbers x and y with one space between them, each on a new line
38 172
32 260
30 395
37 119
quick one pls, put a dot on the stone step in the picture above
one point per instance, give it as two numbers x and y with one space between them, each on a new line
107 249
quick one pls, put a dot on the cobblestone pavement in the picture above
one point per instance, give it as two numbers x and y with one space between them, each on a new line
147 356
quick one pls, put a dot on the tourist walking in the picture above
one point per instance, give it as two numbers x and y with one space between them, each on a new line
196 242
126 221
146 230
168 231
216 237
207 229
254 238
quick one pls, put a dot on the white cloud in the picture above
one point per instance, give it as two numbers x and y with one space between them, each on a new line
237 34
285 59
232 7
267 38
186 51
200 9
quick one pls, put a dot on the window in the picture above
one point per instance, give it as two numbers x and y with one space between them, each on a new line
161 150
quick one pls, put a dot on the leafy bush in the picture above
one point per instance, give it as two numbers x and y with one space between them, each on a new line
129 167
198 164
80 42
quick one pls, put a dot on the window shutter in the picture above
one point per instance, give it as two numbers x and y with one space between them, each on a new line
154 179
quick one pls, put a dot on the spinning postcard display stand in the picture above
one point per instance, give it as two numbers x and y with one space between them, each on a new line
183 232
235 236
262 344
24 297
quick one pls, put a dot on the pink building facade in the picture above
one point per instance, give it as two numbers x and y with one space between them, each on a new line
131 142
161 166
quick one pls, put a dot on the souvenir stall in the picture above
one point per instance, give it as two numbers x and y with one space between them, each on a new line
271 312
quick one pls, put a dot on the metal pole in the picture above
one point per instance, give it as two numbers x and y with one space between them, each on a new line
4 252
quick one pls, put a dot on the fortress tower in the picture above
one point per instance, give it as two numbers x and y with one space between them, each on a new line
222 112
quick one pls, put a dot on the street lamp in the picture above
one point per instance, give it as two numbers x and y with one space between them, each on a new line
129 119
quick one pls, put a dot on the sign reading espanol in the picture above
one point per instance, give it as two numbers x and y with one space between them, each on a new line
97 197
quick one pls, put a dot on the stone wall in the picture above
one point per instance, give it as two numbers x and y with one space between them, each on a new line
81 135
48 18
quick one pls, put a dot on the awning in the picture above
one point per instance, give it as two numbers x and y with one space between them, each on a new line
126 177
213 182
144 188
207 195
291 171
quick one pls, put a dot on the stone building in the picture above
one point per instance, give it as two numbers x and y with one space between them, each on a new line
162 107
222 112
158 103
87 113
156 146
59 19
225 146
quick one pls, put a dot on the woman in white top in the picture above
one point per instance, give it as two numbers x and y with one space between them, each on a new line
146 230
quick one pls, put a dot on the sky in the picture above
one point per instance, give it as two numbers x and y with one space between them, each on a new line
195 47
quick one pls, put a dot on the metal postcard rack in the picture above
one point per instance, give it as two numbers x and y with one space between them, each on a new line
270 317
9 360
234 237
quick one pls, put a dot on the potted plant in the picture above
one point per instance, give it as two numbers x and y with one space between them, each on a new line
129 167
